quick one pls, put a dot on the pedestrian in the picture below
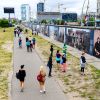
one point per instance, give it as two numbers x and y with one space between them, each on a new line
20 42
34 41
58 59
22 75
64 64
51 50
27 39
49 64
28 45
83 63
41 77
15 32
18 33
65 49
31 45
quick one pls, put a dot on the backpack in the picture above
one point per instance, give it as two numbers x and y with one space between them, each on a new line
39 78
17 75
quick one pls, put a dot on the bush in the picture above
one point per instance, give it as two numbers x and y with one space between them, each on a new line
4 23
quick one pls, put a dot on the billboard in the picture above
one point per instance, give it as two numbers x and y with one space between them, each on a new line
78 38
61 34
8 10
96 51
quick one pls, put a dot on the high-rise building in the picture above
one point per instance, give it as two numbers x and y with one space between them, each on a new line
40 7
98 6
25 12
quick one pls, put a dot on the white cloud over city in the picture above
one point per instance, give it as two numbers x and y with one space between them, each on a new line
51 5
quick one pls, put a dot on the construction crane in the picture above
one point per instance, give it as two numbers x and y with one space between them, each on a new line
59 5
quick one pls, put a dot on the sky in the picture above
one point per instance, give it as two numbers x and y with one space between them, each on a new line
50 5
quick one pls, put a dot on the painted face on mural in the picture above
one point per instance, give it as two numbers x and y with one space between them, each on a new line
98 39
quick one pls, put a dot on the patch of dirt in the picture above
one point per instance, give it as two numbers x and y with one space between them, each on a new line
8 46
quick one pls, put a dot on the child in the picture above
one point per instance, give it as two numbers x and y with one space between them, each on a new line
83 62
41 79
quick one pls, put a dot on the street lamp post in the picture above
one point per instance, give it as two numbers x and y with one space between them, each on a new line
82 13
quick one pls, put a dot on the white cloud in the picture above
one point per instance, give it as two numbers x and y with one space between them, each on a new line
51 5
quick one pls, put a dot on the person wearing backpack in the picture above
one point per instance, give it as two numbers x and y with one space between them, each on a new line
21 76
83 63
41 79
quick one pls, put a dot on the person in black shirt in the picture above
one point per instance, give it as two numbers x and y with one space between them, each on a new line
50 66
22 75
51 50
83 63
97 48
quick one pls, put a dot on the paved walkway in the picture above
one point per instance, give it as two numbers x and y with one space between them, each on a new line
32 64
75 52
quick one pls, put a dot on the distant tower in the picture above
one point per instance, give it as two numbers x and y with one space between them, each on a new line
25 12
40 7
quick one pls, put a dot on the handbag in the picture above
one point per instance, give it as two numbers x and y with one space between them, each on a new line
17 75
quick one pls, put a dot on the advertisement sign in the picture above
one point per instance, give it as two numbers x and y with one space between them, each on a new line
96 48
78 38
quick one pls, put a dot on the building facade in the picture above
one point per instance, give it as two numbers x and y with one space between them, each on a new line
25 12
98 9
40 7
48 16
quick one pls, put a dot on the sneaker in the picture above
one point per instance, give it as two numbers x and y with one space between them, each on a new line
21 90
41 91
44 92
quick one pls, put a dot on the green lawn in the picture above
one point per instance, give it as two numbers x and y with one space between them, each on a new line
6 38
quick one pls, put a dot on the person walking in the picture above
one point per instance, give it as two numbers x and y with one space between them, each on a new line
31 45
64 64
34 41
49 64
58 59
22 75
20 42
41 77
28 45
51 50
65 49
27 39
83 63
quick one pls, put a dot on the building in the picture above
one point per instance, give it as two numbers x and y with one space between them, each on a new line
48 16
25 12
69 17
40 7
98 9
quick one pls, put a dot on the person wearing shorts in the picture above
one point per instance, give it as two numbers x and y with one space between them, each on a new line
58 55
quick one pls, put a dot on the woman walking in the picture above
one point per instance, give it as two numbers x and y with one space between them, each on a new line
58 60
41 79
22 75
